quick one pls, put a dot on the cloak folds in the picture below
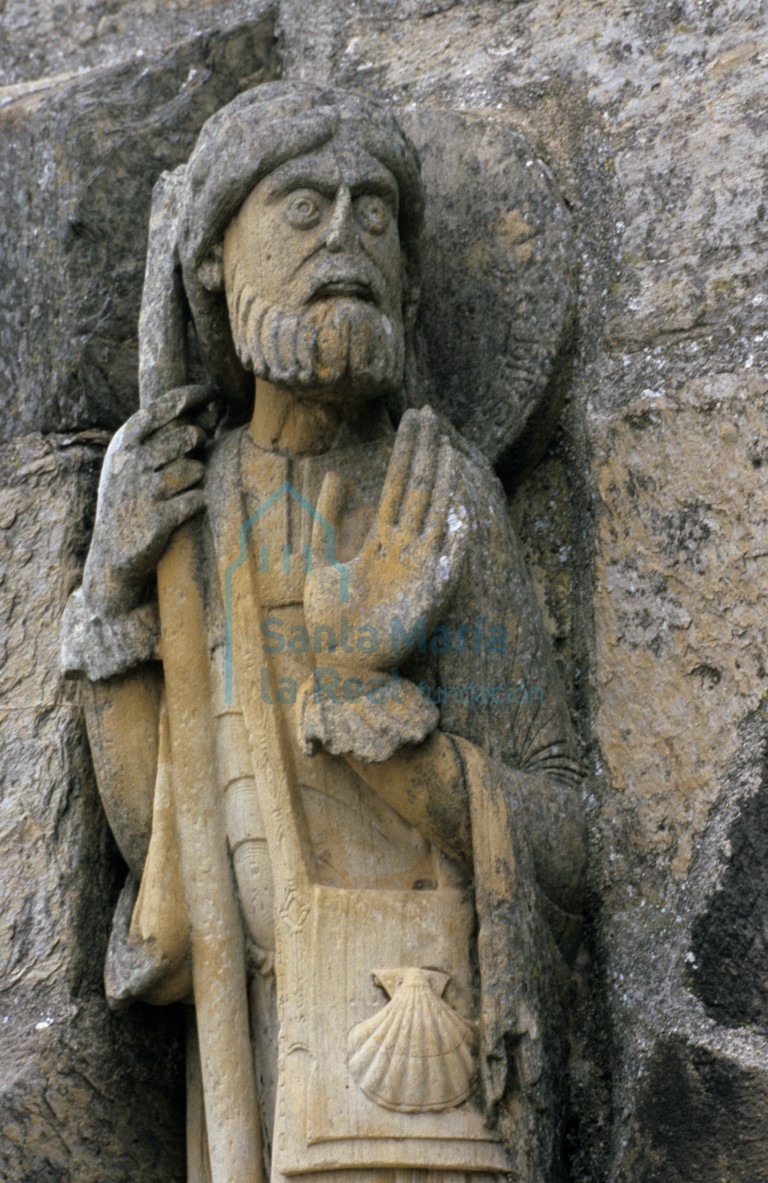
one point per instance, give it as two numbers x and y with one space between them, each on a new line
518 900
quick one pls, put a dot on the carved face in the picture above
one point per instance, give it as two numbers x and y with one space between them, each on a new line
312 272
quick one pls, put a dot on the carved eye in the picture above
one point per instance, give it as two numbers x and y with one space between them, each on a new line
302 211
373 213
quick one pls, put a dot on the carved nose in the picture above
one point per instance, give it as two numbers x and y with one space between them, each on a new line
341 230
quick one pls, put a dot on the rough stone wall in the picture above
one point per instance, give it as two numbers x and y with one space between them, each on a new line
645 523
85 1096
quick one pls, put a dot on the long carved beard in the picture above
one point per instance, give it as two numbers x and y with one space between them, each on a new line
337 343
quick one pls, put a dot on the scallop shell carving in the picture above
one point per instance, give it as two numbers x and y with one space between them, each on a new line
416 1055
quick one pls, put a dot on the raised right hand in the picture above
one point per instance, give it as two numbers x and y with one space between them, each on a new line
147 489
411 560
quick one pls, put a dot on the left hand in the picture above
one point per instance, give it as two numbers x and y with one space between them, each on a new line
410 562
394 589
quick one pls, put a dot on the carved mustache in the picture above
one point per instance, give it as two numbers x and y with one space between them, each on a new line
355 278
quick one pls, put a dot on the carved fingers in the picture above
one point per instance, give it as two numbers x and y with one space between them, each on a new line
413 469
421 530
396 480
404 574
156 449
412 558
445 526
327 518
164 411
178 476
149 487
171 443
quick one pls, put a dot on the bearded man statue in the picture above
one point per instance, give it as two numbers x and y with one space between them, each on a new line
305 632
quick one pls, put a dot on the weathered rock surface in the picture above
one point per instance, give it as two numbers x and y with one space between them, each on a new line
39 39
645 524
84 1095
81 159
498 283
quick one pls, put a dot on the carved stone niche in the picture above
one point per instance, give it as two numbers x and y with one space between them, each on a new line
325 718
499 284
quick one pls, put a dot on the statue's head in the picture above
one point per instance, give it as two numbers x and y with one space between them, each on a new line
299 239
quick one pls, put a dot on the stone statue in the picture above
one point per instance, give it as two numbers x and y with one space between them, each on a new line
324 716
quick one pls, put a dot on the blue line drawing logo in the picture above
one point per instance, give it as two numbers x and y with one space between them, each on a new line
285 490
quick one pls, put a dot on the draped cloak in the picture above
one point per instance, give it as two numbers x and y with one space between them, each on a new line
500 697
